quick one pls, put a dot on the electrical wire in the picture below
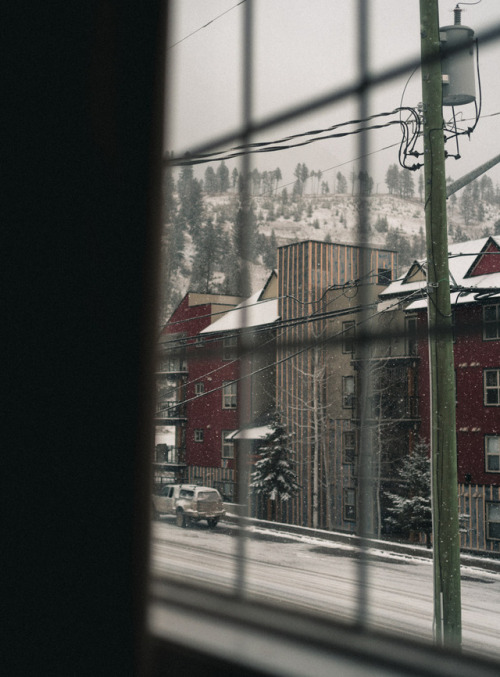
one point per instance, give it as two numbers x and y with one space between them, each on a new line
407 143
275 363
205 25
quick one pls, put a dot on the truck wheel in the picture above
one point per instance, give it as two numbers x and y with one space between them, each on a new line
212 522
180 519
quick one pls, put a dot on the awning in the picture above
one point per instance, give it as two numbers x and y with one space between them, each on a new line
257 433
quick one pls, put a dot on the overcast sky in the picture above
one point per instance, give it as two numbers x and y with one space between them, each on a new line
305 48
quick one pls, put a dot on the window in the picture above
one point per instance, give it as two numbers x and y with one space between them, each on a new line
230 348
492 387
491 322
411 335
229 394
384 276
492 453
348 397
350 505
348 332
225 489
199 388
198 435
348 446
227 445
493 521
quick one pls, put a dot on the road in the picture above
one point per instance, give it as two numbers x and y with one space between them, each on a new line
323 576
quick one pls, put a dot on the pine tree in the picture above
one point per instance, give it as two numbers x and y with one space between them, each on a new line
411 505
274 477
206 259
341 183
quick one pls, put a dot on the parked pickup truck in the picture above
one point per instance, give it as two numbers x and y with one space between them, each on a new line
188 502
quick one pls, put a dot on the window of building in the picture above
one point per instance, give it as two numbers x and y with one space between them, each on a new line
384 276
199 388
227 445
491 322
230 348
348 397
492 453
225 489
229 395
350 505
348 333
198 435
493 521
411 335
348 446
492 387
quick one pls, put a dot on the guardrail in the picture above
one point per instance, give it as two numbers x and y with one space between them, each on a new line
408 549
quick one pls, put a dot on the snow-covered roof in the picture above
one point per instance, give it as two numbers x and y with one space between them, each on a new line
250 313
462 257
257 433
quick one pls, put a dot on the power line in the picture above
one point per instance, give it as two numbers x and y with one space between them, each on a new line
346 311
205 25
408 141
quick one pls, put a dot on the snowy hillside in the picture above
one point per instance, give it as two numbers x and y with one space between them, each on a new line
395 223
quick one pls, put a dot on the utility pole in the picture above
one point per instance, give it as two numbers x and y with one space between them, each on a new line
447 602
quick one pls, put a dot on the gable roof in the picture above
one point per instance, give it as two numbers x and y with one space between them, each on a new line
256 311
474 265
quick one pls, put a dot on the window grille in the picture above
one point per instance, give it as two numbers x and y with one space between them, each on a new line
311 281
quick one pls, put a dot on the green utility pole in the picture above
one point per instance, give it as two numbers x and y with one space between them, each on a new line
447 603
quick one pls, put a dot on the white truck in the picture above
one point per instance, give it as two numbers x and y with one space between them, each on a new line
189 503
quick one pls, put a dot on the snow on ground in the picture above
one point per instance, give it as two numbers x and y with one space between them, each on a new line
323 577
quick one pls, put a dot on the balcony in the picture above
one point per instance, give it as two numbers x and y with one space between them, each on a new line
170 412
173 367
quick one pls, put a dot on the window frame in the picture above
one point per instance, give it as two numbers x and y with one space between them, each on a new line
229 397
348 398
199 435
488 521
491 388
348 450
230 347
199 388
349 506
491 323
227 443
488 454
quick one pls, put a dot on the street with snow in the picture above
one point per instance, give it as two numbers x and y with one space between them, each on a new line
323 576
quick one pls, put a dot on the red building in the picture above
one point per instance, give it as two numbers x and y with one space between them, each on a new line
181 363
201 394
475 283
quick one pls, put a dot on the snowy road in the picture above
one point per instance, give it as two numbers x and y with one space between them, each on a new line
314 574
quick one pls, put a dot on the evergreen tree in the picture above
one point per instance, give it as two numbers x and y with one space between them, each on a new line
191 201
222 178
467 206
277 178
341 183
206 259
274 477
407 184
234 177
411 504
392 179
210 181
396 240
270 251
420 186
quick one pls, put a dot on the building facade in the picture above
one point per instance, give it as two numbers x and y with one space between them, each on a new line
308 274
475 298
